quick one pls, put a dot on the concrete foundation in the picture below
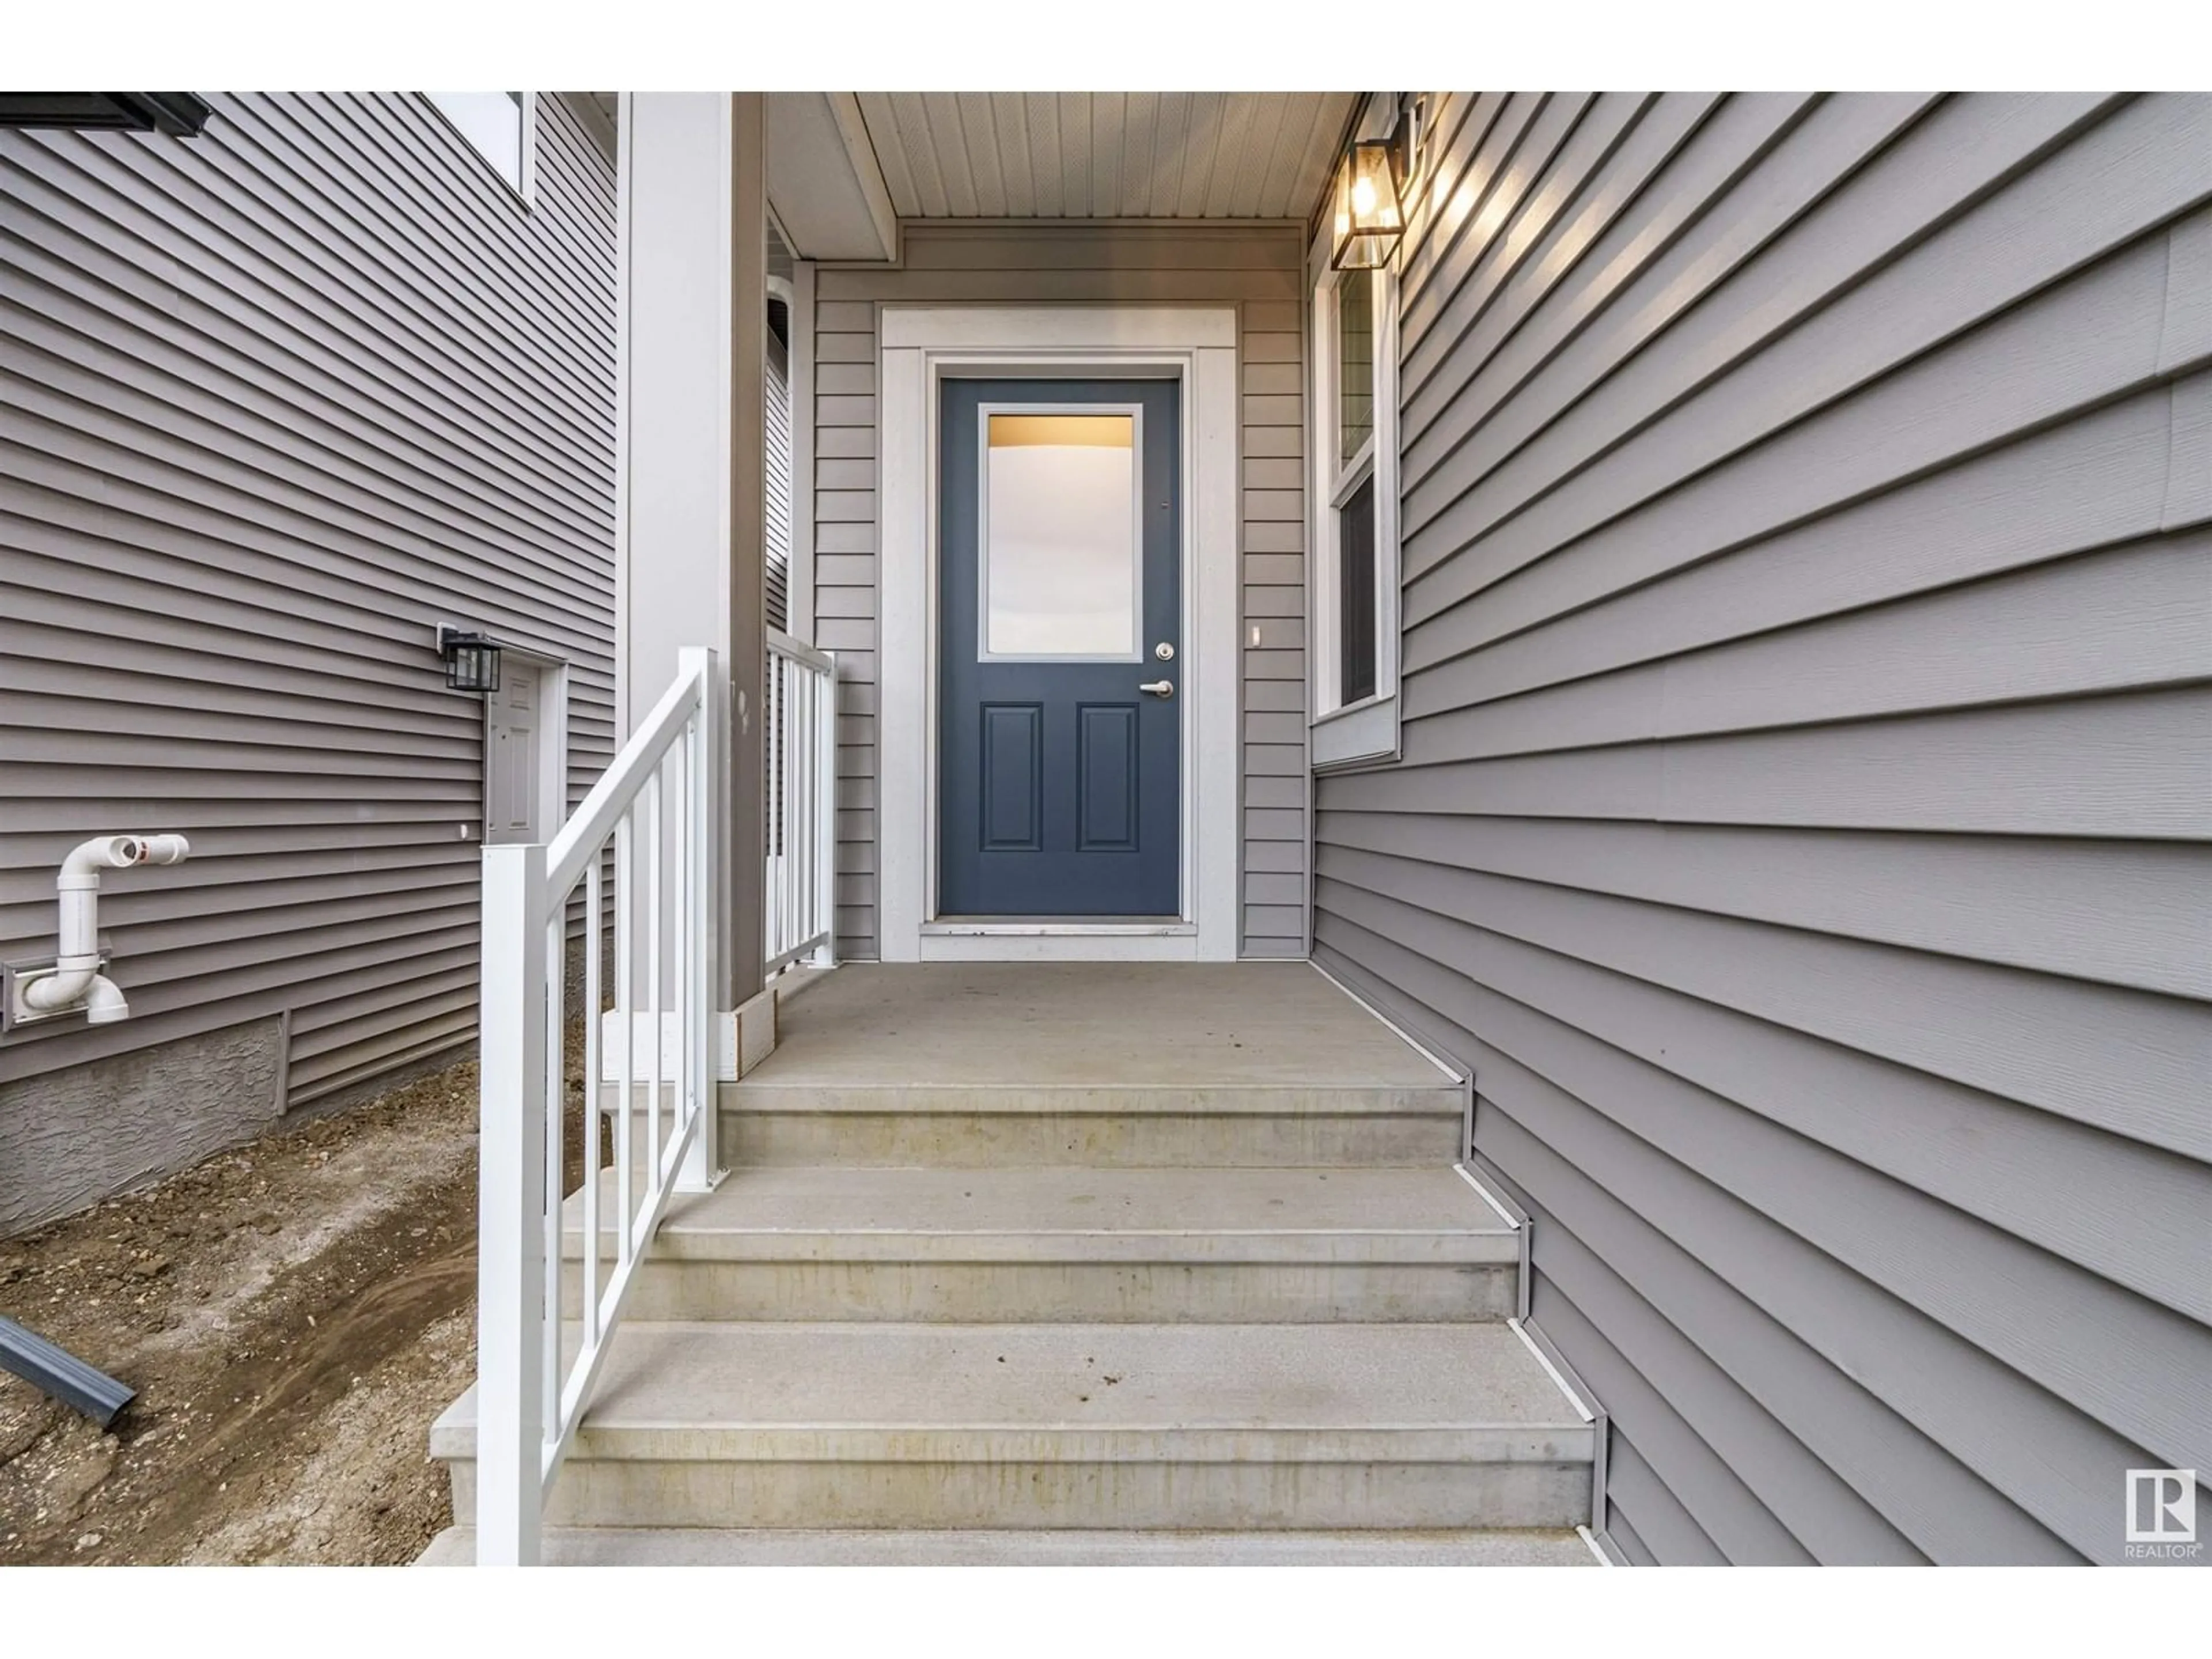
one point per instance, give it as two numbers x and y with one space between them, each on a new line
71 1137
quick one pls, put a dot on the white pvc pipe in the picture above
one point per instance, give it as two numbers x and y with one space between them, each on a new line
76 978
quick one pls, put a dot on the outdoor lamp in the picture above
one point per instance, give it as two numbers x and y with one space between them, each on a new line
471 660
1371 185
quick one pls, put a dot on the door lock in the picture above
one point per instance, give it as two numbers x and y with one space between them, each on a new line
1164 652
1158 688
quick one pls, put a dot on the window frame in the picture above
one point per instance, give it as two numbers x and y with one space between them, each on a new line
1136 414
1364 733
524 186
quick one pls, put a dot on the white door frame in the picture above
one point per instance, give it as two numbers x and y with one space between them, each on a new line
920 344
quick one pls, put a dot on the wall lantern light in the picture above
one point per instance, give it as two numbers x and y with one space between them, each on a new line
1373 195
472 659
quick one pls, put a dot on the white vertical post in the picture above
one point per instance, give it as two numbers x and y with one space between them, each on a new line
702 1161
511 1189
825 817
690 545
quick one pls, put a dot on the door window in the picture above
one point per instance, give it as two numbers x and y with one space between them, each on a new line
1061 553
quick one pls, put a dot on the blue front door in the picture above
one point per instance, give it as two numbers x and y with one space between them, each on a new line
1060 649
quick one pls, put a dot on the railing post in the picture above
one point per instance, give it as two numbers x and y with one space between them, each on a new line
510 1209
702 1160
825 819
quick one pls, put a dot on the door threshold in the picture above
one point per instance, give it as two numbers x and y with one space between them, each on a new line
1078 927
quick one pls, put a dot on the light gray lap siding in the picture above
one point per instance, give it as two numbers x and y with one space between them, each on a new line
280 399
1256 268
1802 827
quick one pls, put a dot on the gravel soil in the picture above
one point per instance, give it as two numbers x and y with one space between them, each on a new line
294 1314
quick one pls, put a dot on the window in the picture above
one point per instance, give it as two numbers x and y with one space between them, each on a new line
1355 492
502 127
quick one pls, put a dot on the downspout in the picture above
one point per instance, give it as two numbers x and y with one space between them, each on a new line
76 979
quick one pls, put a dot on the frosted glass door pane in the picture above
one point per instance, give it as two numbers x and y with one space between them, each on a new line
1060 544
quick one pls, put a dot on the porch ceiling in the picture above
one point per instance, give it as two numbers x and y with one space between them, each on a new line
1104 155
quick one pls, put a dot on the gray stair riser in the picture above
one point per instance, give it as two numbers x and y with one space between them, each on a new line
1240 1292
1018 1494
756 1135
793 1546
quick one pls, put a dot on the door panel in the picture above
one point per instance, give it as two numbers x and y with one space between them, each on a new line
1106 777
1060 780
1012 806
511 751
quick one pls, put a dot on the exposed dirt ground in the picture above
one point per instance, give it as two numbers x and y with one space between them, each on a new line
294 1314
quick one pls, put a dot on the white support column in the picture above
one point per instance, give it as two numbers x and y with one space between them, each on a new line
691 535
511 1211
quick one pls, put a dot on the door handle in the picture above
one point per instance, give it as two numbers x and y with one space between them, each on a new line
1158 688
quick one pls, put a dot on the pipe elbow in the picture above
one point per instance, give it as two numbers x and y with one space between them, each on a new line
89 858
104 1002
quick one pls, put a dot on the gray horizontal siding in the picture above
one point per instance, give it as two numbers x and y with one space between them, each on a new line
1802 829
1259 269
280 399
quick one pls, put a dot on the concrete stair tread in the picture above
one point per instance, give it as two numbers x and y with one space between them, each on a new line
1044 1096
905 1392
1074 1213
704 1546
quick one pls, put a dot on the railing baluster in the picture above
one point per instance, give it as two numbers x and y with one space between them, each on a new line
625 1171
625 989
653 974
793 919
802 770
593 1090
824 827
553 942
817 710
679 759
784 802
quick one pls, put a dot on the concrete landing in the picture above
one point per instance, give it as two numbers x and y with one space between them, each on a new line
671 1547
1125 1065
1166 1026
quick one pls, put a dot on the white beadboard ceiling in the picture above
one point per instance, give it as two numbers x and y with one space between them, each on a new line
1104 155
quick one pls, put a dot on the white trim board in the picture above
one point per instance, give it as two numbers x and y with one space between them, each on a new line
919 344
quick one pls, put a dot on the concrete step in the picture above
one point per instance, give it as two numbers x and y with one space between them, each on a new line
1205 1427
701 1547
1242 1246
1100 1126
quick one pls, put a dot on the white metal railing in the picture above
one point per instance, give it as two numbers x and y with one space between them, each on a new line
801 742
651 815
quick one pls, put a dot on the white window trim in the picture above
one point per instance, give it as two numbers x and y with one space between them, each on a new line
525 188
918 344
1367 731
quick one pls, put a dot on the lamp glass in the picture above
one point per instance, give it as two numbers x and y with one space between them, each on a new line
472 664
1369 217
